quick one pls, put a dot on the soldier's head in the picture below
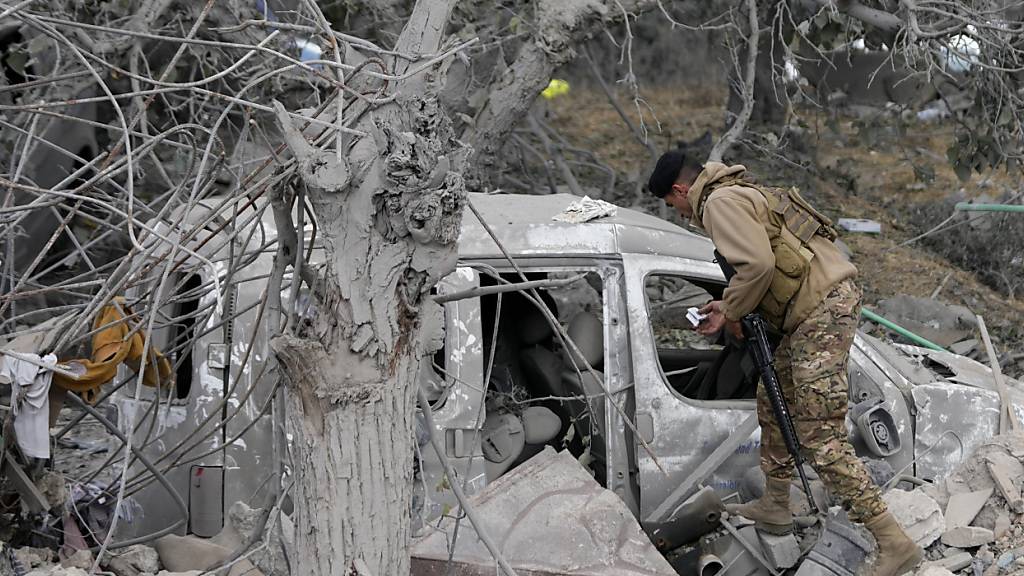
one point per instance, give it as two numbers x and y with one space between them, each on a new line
672 177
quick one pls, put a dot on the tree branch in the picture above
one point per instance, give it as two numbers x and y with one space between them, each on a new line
884 21
559 26
737 128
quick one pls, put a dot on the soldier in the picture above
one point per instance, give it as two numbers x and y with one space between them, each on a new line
788 269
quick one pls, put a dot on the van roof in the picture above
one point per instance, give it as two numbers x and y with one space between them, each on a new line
524 225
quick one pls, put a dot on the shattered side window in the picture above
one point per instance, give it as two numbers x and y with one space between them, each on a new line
691 364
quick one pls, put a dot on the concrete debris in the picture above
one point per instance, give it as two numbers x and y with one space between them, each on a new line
271 559
53 487
551 517
58 571
1002 524
953 563
967 537
30 558
931 570
1010 492
184 553
782 552
133 561
964 507
918 514
80 559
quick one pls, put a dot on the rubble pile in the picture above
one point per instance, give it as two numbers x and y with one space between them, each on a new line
970 522
953 327
170 555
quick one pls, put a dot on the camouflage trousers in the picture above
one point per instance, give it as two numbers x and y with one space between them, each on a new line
811 363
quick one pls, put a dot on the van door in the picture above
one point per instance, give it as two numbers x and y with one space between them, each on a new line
691 395
453 379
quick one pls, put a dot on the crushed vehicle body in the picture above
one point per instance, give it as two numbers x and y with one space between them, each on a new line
582 345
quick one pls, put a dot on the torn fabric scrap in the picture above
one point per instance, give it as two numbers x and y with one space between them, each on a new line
30 401
586 209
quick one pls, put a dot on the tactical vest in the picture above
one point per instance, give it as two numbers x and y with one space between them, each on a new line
792 222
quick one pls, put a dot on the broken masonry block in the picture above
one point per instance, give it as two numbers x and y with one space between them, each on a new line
1006 487
954 563
783 552
918 514
964 507
967 537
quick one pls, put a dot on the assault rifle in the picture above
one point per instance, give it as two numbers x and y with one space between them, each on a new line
756 333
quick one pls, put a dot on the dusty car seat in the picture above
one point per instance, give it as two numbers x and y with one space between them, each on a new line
587 331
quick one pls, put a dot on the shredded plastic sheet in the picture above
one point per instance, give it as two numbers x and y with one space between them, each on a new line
586 209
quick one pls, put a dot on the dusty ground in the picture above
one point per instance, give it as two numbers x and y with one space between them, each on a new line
848 170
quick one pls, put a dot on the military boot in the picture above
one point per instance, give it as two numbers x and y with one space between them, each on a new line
771 511
897 553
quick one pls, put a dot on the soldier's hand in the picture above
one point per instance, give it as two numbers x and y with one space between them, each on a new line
715 319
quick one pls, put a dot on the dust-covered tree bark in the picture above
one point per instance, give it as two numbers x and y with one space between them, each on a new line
389 209
560 25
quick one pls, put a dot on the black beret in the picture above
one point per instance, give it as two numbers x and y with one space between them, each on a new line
666 172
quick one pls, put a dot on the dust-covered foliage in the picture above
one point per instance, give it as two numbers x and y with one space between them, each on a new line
985 243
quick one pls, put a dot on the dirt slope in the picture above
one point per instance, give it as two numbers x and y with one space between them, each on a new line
851 166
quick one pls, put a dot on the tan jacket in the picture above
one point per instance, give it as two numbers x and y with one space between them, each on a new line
735 217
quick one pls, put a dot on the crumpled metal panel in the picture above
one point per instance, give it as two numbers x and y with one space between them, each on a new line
871 374
548 516
952 420
965 370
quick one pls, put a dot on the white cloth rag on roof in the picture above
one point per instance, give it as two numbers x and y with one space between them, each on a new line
586 209
30 401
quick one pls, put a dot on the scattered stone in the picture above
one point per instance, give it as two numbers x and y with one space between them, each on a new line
133 561
1005 559
272 559
918 514
953 563
967 537
80 559
964 347
51 484
783 552
187 573
30 557
931 570
963 507
57 570
1002 524
185 553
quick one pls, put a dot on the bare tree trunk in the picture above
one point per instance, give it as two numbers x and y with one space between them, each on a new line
352 497
389 208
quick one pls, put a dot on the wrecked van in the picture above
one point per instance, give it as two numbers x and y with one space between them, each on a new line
654 411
